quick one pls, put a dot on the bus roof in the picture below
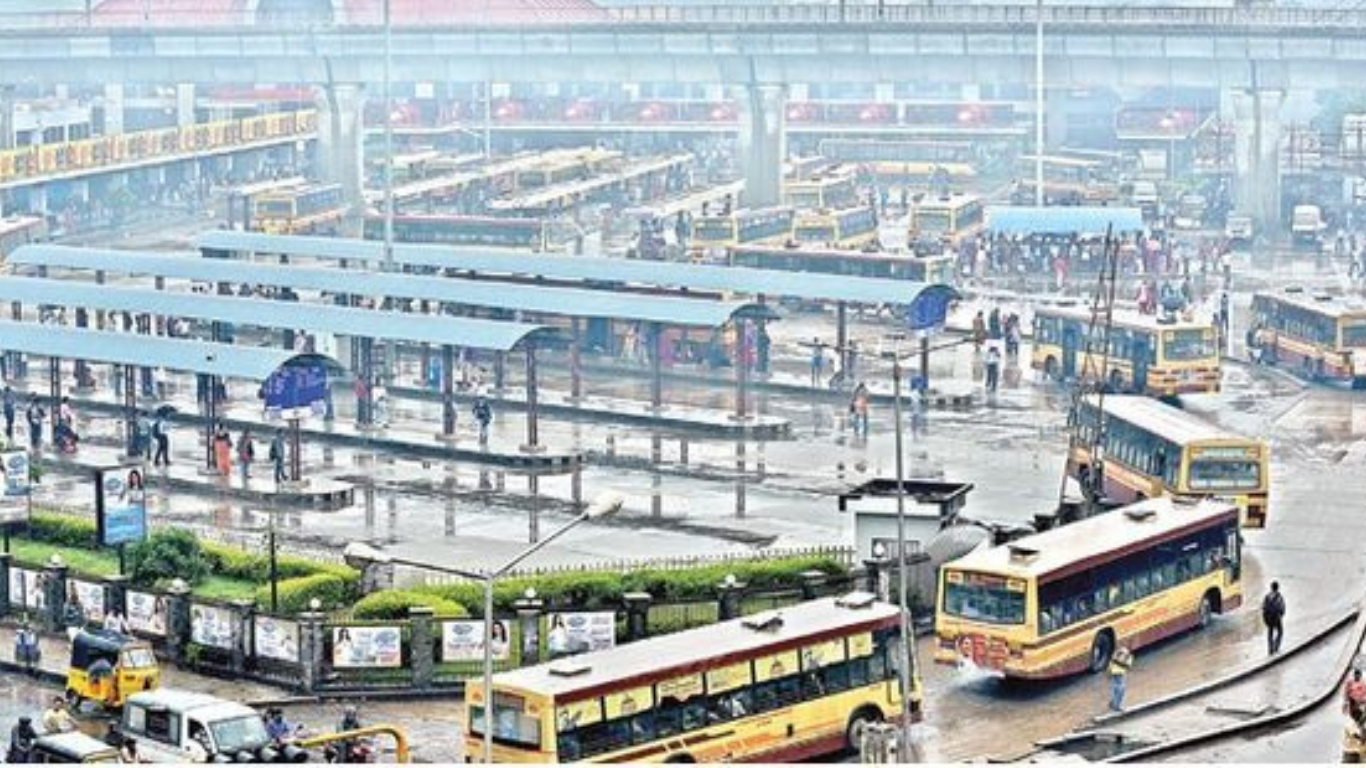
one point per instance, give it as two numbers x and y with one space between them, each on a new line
1159 418
680 652
1127 318
953 201
1075 545
1322 304
1076 162
19 223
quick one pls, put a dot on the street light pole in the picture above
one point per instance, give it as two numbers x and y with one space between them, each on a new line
907 638
388 139
1038 104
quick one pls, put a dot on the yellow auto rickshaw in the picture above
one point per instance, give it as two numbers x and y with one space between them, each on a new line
107 667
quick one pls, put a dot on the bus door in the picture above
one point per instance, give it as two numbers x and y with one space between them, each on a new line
1070 342
1140 355
1233 555
599 335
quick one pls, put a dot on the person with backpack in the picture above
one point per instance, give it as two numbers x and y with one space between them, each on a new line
35 415
483 415
1273 616
163 441
246 454
277 455
1121 661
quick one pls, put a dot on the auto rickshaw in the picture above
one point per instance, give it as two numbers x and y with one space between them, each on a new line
74 747
107 667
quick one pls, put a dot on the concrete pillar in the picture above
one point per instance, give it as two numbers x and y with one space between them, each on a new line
116 594
763 143
6 117
184 104
729 593
529 620
425 635
113 108
244 614
6 560
637 615
178 633
340 139
311 647
1256 156
54 595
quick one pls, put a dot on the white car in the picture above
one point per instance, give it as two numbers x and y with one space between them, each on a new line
172 726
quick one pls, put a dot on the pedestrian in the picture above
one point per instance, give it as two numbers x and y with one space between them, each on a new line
1354 696
28 653
10 406
56 719
246 454
162 457
483 416
277 455
994 324
993 365
35 414
1120 664
222 451
979 330
1273 616
858 408
1013 335
817 362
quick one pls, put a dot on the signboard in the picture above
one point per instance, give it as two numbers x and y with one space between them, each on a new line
464 641
577 713
366 647
774 666
680 688
728 677
628 702
296 392
275 638
929 309
15 484
213 626
120 505
89 596
146 613
26 588
581 632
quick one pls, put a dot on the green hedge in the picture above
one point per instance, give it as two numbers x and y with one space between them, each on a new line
394 604
62 530
331 590
252 566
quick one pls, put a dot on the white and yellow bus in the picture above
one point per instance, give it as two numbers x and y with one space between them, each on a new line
842 228
1148 355
952 219
834 188
309 209
876 264
714 233
1060 602
1322 337
772 687
1152 449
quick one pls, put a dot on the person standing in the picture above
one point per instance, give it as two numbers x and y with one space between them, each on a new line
858 407
993 365
483 416
222 451
1354 696
817 362
1120 664
162 457
979 330
1273 616
35 414
10 406
246 453
277 455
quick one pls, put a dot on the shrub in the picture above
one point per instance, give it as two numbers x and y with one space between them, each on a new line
167 554
62 530
245 565
394 604
295 594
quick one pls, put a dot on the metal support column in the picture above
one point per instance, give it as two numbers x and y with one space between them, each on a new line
656 367
925 361
500 364
741 370
576 359
448 390
54 384
532 411
842 339
130 408
296 459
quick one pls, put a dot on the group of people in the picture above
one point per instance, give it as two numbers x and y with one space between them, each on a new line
994 330
35 415
243 452
57 719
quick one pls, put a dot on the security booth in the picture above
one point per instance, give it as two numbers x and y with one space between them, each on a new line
930 507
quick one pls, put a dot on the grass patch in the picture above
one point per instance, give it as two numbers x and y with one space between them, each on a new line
99 563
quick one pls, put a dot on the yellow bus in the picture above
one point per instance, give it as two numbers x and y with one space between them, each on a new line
1152 449
773 687
20 230
1322 337
877 264
845 228
831 189
300 210
714 233
1066 181
1059 602
951 219
1148 355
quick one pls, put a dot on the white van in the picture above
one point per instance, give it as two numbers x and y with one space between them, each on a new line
1306 224
172 726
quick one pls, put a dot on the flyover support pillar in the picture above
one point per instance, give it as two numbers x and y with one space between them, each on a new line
842 338
741 362
1257 131
763 143
340 136
130 410
447 390
533 438
6 117
655 337
576 359
113 108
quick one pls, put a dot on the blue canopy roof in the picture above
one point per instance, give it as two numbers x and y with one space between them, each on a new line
698 277
566 302
269 313
189 355
1062 220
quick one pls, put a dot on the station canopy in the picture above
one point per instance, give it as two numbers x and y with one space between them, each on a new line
474 333
1062 220
772 283
508 297
188 355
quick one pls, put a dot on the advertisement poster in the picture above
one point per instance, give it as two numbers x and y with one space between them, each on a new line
146 613
14 487
581 632
295 392
121 505
366 647
89 596
26 588
276 638
212 626
464 641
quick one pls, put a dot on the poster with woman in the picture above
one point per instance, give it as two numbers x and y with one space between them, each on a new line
366 647
146 613
213 626
89 596
464 641
276 638
581 632
26 589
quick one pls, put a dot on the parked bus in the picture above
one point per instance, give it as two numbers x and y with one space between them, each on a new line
1152 449
835 188
533 234
846 228
560 166
714 233
898 152
892 266
300 210
1066 181
1322 337
1148 354
772 687
20 230
951 220
1059 602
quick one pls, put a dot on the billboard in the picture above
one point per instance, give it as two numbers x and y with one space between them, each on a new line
296 392
367 646
14 487
120 505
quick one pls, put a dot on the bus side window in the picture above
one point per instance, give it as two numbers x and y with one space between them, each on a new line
643 728
669 717
859 672
567 747
835 678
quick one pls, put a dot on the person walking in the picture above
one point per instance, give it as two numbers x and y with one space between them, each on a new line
817 362
222 451
35 414
10 406
246 454
858 408
993 366
162 457
979 330
277 455
483 416
1120 664
1273 616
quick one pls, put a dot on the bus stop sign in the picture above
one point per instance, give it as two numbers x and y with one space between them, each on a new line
930 308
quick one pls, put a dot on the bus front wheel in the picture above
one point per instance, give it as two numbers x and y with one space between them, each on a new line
1102 648
858 723
681 757
1208 606
1051 370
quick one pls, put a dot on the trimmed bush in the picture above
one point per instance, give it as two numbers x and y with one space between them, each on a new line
295 594
167 554
62 530
235 563
394 604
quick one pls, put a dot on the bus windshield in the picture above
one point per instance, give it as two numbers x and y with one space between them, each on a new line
1224 475
714 230
1354 334
990 603
1187 344
933 221
511 724
816 233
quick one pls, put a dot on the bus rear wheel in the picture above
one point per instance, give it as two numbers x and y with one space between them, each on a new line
858 723
1102 648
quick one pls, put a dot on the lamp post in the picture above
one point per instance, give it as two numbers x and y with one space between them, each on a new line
1038 104
906 667
603 507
